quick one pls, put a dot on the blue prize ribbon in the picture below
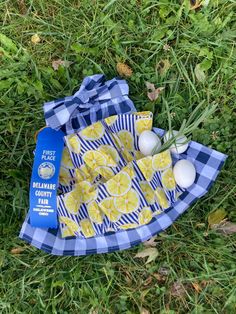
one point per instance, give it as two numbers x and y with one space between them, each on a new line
44 179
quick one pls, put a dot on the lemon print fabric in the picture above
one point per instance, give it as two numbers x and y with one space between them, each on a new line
168 179
145 216
107 206
143 124
119 185
72 202
145 165
107 184
127 139
93 132
94 212
74 143
148 192
111 155
161 161
161 198
127 203
66 160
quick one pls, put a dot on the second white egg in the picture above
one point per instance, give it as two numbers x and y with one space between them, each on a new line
148 140
181 143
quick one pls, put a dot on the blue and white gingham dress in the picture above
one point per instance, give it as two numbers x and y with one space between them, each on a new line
73 115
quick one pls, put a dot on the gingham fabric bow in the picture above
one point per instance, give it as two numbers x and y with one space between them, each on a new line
95 100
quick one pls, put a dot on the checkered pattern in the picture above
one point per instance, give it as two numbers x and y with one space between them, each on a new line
96 99
208 163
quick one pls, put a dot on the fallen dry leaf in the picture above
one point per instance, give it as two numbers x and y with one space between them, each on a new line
22 6
197 287
144 311
216 216
178 289
153 93
147 281
17 250
151 242
163 66
159 277
35 39
225 227
200 74
195 4
150 252
57 63
123 69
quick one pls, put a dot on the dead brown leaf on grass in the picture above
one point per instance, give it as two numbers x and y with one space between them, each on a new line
17 250
151 242
153 93
195 4
225 227
35 39
216 217
123 69
150 252
163 66
144 311
178 289
197 287
59 62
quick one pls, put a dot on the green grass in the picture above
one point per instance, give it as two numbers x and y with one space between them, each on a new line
95 35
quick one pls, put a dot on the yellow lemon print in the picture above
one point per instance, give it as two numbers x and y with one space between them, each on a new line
66 159
119 185
111 155
127 155
87 228
66 232
74 143
88 173
94 159
126 139
105 172
128 226
143 125
79 175
145 216
71 224
64 176
127 203
129 169
138 155
93 132
94 212
111 120
168 180
145 166
146 114
161 198
86 191
161 161
108 208
148 192
72 202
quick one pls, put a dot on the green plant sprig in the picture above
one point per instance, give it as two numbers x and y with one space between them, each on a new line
187 126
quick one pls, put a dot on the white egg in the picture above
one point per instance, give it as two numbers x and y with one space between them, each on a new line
184 173
181 142
148 140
